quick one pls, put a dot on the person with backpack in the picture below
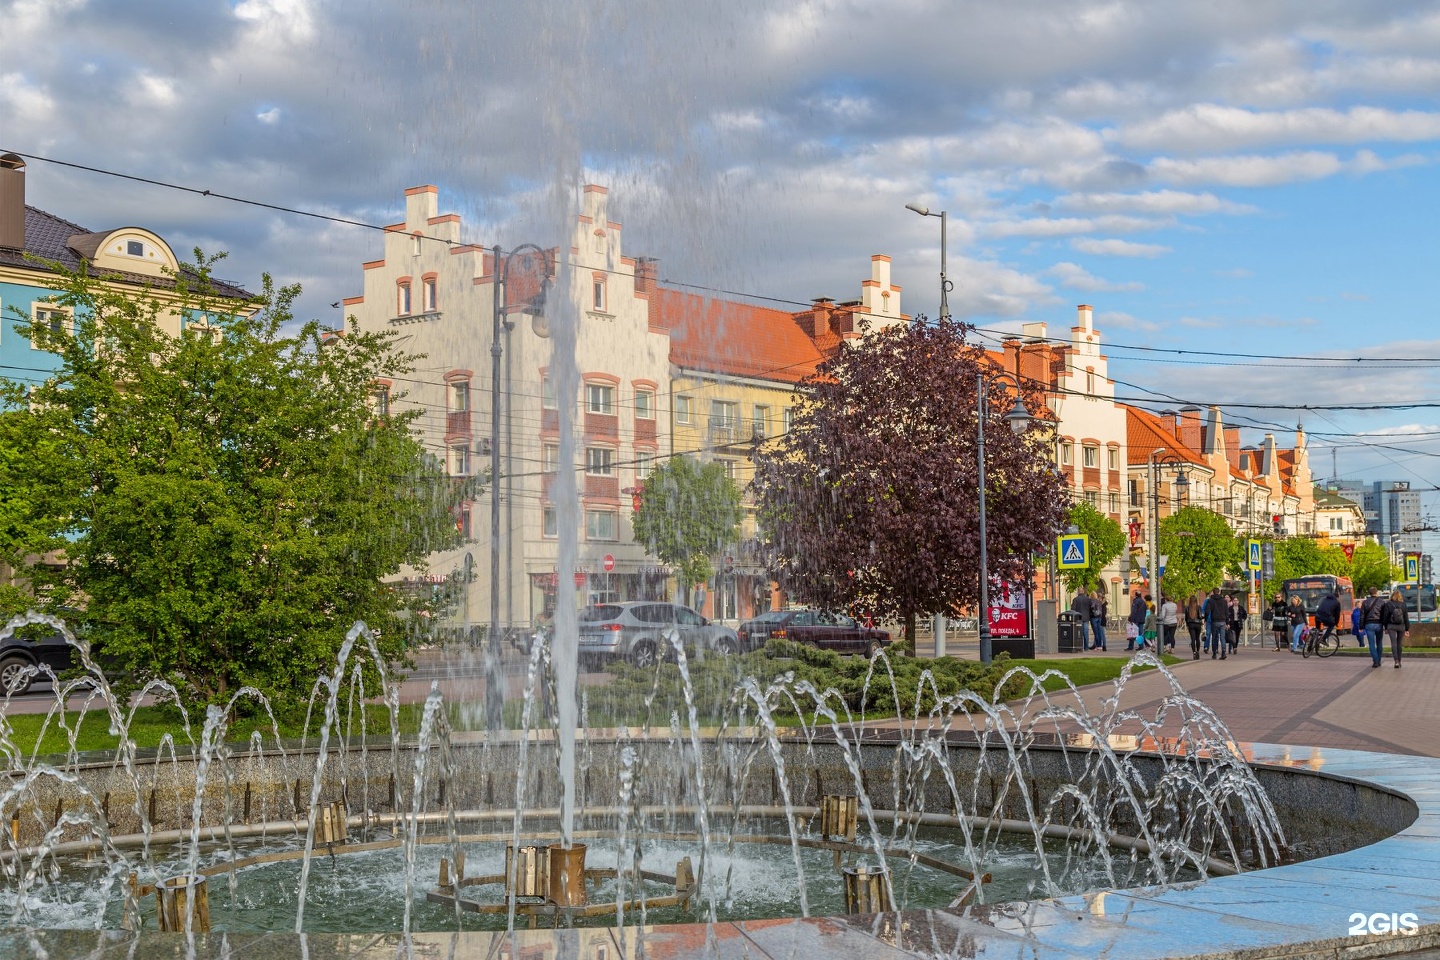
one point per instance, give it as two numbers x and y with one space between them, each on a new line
1217 616
1396 620
1138 608
1082 607
1194 622
1371 612
1279 623
1327 616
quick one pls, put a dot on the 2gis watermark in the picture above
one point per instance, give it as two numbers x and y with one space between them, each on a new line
1363 924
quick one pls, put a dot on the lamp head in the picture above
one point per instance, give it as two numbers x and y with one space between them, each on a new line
1019 418
1181 480
539 323
919 208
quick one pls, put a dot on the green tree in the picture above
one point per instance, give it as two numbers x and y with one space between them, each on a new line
1201 549
1106 542
1372 568
688 512
225 501
1303 557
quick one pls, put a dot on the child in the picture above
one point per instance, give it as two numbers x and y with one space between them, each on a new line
1147 635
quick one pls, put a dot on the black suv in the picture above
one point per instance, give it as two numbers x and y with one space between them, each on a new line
16 654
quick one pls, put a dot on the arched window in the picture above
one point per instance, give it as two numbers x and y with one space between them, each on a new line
402 296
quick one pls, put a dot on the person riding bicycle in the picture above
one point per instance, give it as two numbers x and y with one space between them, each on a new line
1327 617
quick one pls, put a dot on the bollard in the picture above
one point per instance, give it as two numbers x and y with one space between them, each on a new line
838 817
175 897
567 875
246 816
531 874
865 890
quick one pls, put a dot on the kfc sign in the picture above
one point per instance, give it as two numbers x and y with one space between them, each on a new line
1009 608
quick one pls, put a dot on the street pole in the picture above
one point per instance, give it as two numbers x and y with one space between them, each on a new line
984 618
1155 576
494 697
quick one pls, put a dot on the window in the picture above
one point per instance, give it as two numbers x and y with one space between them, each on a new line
1113 458
53 319
601 524
549 458
549 523
599 461
1090 382
402 298
1134 493
1092 497
684 410
724 416
415 245
1114 503
462 523
1067 454
760 422
429 294
728 466
460 397
599 398
380 400
644 404
598 295
135 248
460 460
547 394
789 419
644 465
1091 456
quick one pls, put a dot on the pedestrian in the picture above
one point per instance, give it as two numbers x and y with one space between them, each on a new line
1236 626
1148 630
1100 613
1371 611
1357 629
1397 623
1297 620
1278 621
1216 614
1137 619
1327 616
1083 610
1169 621
1194 622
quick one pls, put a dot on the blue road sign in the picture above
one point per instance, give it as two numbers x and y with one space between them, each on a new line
1072 551
1254 554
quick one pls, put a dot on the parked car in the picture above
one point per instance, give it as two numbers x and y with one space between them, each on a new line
16 654
817 628
640 631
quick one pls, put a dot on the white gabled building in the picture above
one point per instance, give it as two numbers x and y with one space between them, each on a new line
438 293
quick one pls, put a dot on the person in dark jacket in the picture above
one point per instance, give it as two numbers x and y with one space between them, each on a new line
1327 616
1236 627
1396 620
1217 616
1195 622
1370 619
1279 623
1099 613
1298 619
1357 628
1138 609
1083 608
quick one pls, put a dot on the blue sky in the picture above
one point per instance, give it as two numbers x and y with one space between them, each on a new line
1232 176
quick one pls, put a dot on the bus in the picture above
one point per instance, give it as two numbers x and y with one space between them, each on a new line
1311 590
1419 599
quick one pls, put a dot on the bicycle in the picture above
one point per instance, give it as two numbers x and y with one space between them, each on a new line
1322 643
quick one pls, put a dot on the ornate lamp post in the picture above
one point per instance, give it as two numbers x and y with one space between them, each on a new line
494 696
1019 419
1159 459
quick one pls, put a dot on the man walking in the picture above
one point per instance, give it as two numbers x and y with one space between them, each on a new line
1083 609
1217 622
1372 612
1099 612
1138 610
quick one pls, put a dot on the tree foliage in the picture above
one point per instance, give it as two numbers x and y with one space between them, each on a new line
1304 557
688 512
870 500
1201 551
1372 568
1106 542
225 501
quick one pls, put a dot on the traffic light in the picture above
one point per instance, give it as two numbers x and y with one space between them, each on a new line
1275 523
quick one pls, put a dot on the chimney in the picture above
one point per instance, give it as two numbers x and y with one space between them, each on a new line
646 274
1232 440
12 201
1188 429
820 312
1085 315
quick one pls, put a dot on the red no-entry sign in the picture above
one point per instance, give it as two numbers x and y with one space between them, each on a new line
608 563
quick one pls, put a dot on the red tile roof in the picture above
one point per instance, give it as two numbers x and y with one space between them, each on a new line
1145 433
740 339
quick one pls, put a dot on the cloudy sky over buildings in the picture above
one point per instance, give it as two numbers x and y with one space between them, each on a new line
1247 177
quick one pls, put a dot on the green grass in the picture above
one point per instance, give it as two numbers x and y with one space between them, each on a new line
1083 671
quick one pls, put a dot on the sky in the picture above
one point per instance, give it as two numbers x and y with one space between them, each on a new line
1242 177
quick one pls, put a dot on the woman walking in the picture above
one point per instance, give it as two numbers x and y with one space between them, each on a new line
1169 623
1278 621
1148 631
1194 622
1100 611
1297 620
1397 623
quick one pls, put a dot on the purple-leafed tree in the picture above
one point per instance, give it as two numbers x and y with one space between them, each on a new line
870 501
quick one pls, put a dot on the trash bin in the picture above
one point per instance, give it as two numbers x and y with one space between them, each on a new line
1070 632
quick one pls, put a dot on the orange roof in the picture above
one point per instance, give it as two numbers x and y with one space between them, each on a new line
1145 433
740 339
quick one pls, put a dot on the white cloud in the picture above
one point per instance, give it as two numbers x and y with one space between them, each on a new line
1235 273
270 116
1120 320
1209 127
1065 226
1076 277
1248 171
1155 202
1118 248
24 101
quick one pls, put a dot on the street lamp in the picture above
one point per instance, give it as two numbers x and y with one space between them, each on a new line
1183 482
1019 419
945 284
494 698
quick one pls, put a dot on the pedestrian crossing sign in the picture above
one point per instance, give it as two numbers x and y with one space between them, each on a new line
1253 547
1073 551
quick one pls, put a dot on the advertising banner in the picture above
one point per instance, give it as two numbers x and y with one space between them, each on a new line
1009 608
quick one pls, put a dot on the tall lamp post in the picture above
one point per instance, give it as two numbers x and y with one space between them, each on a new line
945 284
494 696
1157 462
1019 419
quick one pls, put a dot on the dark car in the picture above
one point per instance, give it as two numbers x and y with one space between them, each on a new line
817 628
641 630
17 653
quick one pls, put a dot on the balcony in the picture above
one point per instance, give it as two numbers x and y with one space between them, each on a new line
723 430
